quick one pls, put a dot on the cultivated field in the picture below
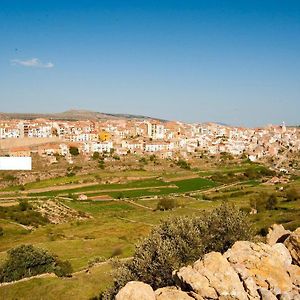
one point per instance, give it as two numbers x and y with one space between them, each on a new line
124 212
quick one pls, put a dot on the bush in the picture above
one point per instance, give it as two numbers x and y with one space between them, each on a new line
143 160
24 205
166 204
271 202
96 155
183 164
74 151
63 268
179 241
264 202
23 214
26 260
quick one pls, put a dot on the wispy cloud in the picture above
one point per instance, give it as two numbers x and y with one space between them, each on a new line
32 63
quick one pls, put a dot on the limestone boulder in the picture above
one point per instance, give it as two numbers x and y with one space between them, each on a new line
136 290
292 243
173 293
277 234
266 265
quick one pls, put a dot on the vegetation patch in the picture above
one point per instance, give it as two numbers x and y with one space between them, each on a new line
179 241
23 213
26 261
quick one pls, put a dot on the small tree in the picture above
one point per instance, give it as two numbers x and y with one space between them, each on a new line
96 155
26 260
74 151
263 202
24 205
166 204
183 164
271 202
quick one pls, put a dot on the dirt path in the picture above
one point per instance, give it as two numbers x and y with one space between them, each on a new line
224 186
138 205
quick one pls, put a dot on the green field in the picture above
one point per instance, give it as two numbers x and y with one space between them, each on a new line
117 225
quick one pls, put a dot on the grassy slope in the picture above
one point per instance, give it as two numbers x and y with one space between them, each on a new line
117 224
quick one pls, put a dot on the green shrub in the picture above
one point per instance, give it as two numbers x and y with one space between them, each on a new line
26 260
166 204
183 164
143 160
24 205
63 268
179 241
23 214
264 201
271 202
74 151
96 155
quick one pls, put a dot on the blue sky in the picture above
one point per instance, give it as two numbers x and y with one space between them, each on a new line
236 62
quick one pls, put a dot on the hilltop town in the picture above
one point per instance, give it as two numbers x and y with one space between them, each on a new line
164 139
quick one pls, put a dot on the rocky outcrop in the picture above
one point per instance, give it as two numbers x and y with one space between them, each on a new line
136 290
277 234
292 243
246 271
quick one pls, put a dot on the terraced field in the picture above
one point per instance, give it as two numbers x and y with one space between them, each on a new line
115 225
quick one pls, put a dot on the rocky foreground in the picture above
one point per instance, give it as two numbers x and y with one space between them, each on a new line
246 271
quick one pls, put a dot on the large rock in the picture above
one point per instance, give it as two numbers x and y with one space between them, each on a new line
168 293
246 271
292 243
191 280
264 265
136 290
212 277
277 234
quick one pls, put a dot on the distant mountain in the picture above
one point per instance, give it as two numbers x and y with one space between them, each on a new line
73 115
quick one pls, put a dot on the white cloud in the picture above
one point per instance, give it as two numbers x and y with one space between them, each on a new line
33 63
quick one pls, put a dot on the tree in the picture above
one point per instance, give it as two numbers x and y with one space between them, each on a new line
264 201
183 164
96 155
166 204
101 163
143 160
24 205
26 260
271 202
178 241
74 151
